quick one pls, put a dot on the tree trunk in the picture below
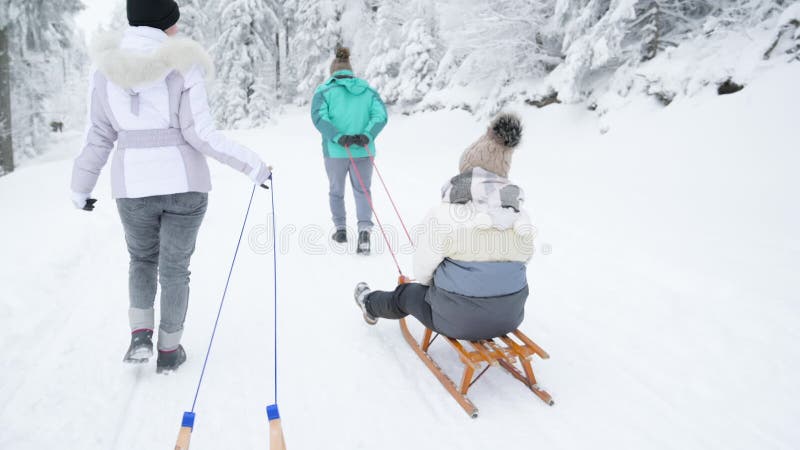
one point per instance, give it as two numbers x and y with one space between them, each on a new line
654 40
6 145
286 41
278 64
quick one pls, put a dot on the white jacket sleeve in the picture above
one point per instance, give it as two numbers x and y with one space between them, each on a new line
100 138
199 130
431 247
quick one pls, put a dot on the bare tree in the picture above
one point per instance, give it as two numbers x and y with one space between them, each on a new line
278 63
6 143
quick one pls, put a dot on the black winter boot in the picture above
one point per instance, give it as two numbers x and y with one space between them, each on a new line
170 361
141 348
363 243
340 236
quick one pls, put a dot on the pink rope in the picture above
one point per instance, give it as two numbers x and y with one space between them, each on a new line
372 207
394 205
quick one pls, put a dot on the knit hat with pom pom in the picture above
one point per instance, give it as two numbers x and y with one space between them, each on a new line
493 151
341 61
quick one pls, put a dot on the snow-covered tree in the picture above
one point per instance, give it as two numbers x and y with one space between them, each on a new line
383 71
601 36
6 141
316 33
43 52
245 55
288 72
593 44
195 22
422 51
787 35
661 23
357 26
273 51
502 41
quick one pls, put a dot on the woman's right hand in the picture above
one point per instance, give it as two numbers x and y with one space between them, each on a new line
360 139
82 201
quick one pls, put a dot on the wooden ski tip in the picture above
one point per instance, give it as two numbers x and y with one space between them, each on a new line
185 434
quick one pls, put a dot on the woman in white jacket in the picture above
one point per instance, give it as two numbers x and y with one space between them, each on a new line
470 261
148 95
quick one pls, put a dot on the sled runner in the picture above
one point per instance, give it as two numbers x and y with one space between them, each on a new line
504 351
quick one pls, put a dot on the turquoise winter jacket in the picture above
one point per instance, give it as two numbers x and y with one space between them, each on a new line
346 105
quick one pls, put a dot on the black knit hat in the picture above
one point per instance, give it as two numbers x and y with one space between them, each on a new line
161 14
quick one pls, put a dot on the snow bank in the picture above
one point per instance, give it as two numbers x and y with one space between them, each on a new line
664 287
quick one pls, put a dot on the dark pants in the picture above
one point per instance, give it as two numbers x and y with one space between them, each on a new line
406 299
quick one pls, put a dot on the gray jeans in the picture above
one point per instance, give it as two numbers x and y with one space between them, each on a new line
337 169
161 232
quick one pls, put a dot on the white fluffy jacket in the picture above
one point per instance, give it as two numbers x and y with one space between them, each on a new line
473 232
148 96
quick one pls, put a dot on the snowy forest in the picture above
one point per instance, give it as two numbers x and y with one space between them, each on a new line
620 176
420 55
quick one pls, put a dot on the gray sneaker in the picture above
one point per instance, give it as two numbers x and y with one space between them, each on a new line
340 236
141 348
363 243
360 295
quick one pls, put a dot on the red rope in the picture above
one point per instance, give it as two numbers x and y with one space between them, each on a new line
372 207
394 205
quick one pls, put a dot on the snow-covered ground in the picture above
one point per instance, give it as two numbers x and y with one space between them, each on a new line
664 290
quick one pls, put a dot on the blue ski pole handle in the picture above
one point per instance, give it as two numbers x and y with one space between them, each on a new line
276 440
185 434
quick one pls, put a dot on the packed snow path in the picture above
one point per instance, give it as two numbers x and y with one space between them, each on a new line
665 289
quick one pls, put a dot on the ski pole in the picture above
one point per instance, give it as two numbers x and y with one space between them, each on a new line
185 434
187 423
276 440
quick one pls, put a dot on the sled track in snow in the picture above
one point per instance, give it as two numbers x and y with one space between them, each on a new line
124 415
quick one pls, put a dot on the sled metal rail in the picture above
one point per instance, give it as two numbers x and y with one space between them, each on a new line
513 352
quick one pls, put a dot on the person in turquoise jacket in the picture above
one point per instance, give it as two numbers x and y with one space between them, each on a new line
350 115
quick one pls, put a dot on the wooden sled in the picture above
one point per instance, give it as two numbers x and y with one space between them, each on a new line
503 351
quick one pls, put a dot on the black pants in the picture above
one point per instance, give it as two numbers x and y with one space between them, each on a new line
406 299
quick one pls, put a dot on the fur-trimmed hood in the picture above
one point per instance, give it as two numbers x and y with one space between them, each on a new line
128 68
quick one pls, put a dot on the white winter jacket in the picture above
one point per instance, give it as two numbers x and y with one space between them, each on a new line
474 224
148 95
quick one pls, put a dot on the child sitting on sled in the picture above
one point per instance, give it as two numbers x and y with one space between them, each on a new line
470 261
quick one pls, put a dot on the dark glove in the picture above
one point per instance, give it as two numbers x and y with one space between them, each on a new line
361 140
89 206
347 140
